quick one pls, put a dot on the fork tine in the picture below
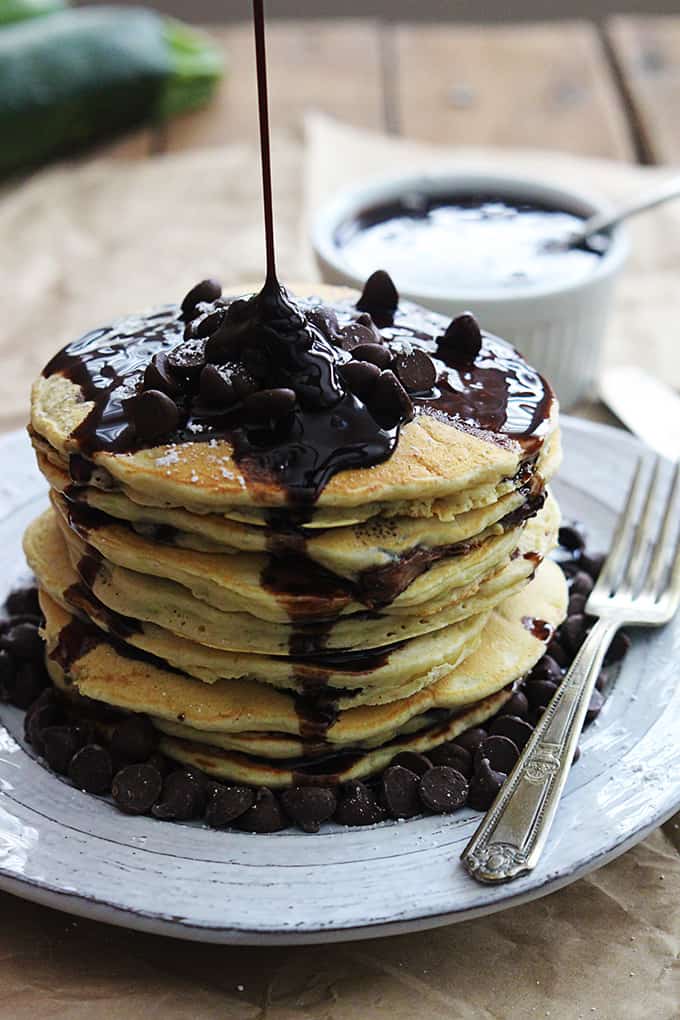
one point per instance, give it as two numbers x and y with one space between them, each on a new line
624 528
643 534
665 545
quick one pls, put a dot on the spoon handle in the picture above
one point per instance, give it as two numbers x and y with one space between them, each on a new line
606 220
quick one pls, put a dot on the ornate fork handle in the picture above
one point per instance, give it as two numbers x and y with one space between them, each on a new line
513 832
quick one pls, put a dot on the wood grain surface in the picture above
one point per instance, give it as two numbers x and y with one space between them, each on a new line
646 53
518 85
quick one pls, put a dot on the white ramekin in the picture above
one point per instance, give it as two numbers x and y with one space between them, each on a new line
559 329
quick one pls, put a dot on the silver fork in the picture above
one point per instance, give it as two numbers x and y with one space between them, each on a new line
639 585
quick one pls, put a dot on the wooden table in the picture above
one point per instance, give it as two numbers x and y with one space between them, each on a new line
608 90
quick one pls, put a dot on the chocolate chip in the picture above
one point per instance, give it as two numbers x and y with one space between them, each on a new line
160 762
501 753
546 669
582 584
577 604
136 788
379 298
225 344
204 292
517 705
462 341
558 654
154 415
577 755
23 602
417 763
183 797
158 376
265 815
209 324
570 538
443 789
540 693
594 706
602 679
269 405
358 806
372 354
23 642
573 632
60 743
8 672
38 720
243 382
90 769
228 803
511 726
415 371
592 564
187 359
309 806
360 377
453 755
400 791
30 680
390 403
133 739
569 568
216 385
471 739
618 649
484 786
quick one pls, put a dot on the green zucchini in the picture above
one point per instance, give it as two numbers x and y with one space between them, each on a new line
86 74
19 10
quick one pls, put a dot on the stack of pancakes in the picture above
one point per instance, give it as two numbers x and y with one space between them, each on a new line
272 647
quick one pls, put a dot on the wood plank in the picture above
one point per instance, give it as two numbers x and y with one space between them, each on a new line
544 85
334 66
646 51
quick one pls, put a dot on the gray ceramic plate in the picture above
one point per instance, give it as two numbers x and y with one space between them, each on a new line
72 851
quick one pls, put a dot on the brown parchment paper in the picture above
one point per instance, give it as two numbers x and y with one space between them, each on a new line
80 244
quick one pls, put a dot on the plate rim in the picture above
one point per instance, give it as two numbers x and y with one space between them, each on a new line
307 932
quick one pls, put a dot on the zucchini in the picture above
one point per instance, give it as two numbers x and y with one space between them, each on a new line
19 10
82 75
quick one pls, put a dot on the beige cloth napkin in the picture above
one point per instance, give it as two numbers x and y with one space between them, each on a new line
81 244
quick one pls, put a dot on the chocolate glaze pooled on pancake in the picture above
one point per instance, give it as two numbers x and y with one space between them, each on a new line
287 406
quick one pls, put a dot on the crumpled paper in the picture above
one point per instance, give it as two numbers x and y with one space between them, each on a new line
83 243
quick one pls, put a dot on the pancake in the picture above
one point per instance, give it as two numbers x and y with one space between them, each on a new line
269 588
372 677
435 457
56 468
107 671
82 658
171 607
348 552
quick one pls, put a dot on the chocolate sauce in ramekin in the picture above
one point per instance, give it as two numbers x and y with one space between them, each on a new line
467 243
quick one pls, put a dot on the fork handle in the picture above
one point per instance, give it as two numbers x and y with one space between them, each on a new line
514 831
